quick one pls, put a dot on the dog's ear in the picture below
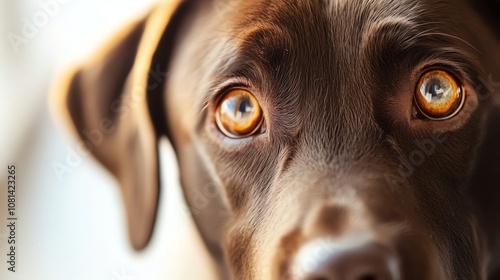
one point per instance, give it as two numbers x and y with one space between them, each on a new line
114 103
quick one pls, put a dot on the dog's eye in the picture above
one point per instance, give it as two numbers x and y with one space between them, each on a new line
438 95
238 114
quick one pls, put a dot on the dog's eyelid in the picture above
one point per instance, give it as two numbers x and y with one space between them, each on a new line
223 84
452 68
218 93
463 69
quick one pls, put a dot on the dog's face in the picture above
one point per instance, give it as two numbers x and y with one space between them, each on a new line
327 139
306 116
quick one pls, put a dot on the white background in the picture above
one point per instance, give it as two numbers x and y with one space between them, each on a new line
74 227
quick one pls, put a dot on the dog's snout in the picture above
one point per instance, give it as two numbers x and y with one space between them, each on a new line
344 260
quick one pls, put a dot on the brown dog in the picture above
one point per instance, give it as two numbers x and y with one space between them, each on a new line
337 139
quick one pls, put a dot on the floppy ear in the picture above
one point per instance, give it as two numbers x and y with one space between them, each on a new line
114 103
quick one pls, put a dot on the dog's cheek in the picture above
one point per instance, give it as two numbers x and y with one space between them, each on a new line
439 167
239 248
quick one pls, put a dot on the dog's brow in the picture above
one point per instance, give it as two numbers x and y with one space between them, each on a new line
425 41
252 52
373 30
406 32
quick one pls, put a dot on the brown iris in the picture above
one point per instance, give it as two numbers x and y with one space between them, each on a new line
438 95
238 114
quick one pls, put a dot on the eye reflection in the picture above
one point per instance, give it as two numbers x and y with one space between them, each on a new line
438 95
238 114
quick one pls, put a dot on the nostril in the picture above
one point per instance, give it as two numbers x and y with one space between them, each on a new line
336 260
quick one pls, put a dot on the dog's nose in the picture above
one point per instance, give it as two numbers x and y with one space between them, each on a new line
344 260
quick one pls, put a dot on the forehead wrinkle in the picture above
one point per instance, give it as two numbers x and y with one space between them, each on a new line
262 38
404 34
417 24
368 16
371 31
272 53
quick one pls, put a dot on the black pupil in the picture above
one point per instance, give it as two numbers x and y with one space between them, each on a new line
245 104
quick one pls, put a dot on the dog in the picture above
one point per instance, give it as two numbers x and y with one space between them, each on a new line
348 140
